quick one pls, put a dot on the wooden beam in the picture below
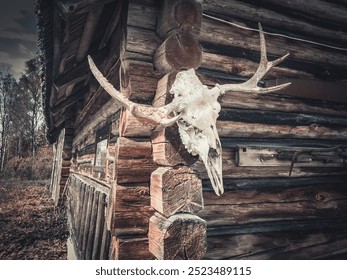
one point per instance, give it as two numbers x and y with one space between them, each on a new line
56 44
176 190
134 163
68 8
79 72
180 237
131 210
178 16
178 52
69 101
88 32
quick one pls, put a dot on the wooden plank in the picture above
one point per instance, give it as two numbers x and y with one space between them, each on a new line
87 222
105 243
92 226
99 226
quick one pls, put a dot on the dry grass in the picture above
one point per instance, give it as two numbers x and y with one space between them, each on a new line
30 226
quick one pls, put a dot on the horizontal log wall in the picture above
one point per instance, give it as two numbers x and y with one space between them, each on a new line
264 213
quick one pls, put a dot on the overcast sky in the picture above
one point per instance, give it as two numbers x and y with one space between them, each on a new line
18 35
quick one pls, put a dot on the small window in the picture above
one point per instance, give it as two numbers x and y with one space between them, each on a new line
100 157
101 146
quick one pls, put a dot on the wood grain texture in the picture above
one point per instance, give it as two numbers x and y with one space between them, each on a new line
182 236
175 190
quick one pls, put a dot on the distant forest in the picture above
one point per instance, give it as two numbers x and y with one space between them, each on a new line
24 152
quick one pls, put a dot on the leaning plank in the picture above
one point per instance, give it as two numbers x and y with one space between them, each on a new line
99 225
87 222
92 225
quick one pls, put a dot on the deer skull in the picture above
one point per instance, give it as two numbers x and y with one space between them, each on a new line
196 109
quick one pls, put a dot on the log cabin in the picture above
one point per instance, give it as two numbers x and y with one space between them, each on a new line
134 192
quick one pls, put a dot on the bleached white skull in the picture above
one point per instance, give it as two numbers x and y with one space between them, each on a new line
196 109
197 125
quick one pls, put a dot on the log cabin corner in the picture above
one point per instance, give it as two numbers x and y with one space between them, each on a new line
134 192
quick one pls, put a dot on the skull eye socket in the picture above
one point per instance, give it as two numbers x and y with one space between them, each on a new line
213 153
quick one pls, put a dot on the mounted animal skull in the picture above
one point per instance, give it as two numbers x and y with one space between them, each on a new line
196 108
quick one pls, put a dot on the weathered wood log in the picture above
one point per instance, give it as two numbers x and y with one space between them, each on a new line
131 126
275 101
242 67
109 110
326 11
130 248
303 88
236 207
162 95
178 16
131 210
88 31
281 118
182 236
231 170
168 149
278 245
282 18
216 33
140 80
143 14
178 52
316 131
175 190
135 163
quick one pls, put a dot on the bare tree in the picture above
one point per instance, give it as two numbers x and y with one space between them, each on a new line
30 85
8 86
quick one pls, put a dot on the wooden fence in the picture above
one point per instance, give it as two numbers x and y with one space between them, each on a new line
87 214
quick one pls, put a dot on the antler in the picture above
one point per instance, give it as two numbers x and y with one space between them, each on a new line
264 66
158 116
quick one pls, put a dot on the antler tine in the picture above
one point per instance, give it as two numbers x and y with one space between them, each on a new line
264 66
